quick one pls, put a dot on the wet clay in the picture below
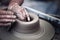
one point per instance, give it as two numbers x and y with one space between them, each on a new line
28 27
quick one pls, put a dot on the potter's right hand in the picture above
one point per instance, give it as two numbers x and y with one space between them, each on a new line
20 11
6 18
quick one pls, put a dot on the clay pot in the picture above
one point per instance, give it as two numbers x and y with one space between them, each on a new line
28 27
38 29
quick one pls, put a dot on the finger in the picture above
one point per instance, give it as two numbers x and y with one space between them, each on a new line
5 24
3 12
7 20
19 14
23 13
8 16
20 17
27 15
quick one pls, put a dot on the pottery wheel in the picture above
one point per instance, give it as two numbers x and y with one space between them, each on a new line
46 32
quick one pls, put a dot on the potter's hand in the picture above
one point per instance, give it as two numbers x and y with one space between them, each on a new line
6 18
20 12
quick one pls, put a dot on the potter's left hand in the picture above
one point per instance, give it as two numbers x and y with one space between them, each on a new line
20 11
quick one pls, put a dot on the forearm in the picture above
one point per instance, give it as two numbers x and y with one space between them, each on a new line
16 1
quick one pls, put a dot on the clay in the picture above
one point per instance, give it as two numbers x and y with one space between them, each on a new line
28 27
37 29
46 32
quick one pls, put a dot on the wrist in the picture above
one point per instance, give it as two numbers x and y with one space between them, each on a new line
10 7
